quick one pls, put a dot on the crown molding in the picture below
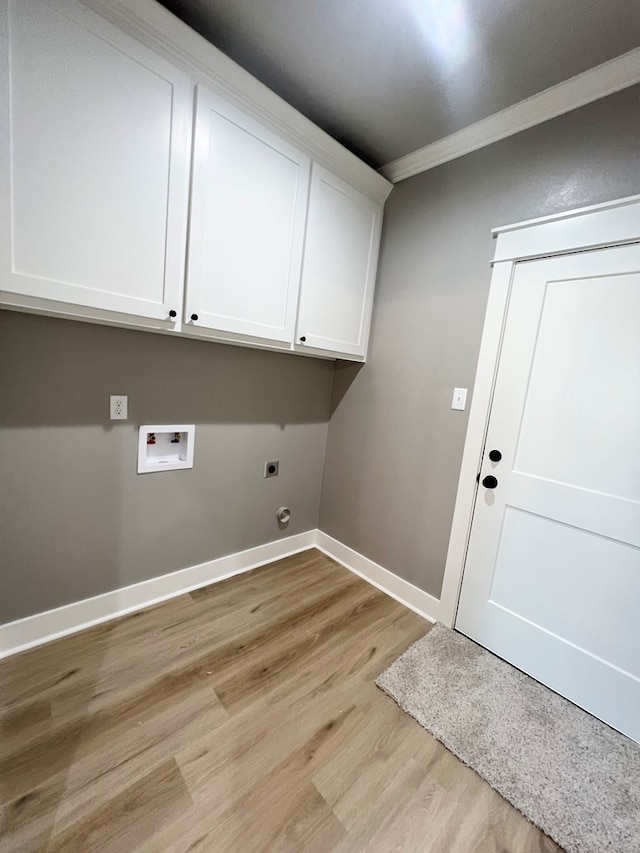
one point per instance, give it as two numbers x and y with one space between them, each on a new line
159 29
598 82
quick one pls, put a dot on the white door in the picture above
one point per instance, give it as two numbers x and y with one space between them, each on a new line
248 207
94 162
552 576
340 258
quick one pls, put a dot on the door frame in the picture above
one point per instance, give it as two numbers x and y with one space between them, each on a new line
613 223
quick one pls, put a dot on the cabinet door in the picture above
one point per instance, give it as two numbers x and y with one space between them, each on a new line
248 205
94 158
338 278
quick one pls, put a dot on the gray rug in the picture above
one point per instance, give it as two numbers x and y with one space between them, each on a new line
573 776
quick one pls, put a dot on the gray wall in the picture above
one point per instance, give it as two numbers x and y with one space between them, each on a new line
395 447
75 518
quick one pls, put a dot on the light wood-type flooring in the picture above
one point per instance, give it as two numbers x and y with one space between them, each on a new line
241 717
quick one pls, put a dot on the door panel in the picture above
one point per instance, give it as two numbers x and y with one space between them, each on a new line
543 566
587 387
552 576
338 278
94 165
248 210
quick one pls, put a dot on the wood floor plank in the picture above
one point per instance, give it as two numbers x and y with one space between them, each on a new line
116 761
297 649
291 741
362 781
130 817
237 718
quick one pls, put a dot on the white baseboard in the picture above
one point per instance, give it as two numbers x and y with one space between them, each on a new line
43 627
406 593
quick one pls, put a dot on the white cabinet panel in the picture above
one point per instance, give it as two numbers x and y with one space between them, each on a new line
338 277
94 163
248 207
95 158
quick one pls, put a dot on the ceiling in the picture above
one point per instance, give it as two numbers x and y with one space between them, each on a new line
386 77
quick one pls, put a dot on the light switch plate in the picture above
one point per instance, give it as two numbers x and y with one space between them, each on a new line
459 399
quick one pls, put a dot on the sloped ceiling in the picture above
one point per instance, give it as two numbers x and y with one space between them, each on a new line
386 77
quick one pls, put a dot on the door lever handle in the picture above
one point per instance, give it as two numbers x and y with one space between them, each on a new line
490 482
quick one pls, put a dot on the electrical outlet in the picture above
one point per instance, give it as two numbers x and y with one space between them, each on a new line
118 407
271 469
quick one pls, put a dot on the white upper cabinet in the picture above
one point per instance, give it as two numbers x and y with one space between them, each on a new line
338 277
248 207
94 158
120 205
